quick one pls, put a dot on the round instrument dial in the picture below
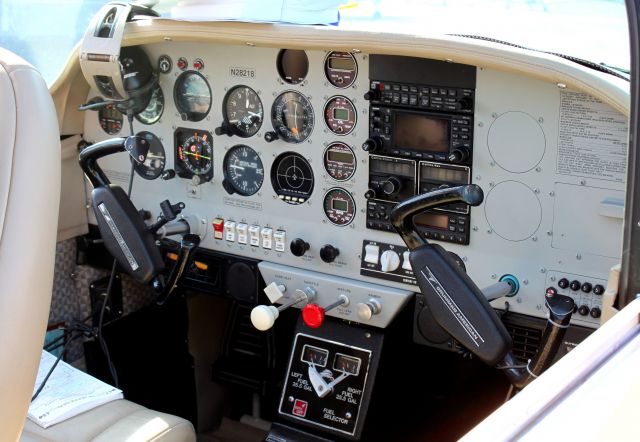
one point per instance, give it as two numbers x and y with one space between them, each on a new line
192 96
152 113
292 117
339 206
243 171
155 161
292 178
341 69
339 161
194 154
110 119
243 111
340 115
293 65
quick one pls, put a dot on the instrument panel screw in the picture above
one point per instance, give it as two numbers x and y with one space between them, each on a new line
549 233
347 415
290 398
475 228
489 231
465 259
519 300
543 270
494 115
583 182
536 190
367 335
492 163
494 276
534 239
525 281
552 193
540 120
538 169
480 124
578 256
491 184
553 278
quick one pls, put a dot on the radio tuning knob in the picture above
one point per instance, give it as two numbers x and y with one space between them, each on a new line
370 194
465 103
329 253
223 129
270 136
299 246
372 94
459 155
371 144
392 186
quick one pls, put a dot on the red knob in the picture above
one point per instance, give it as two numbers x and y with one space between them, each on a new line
313 315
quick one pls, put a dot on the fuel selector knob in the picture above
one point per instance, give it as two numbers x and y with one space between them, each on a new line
299 246
329 253
366 310
392 186
389 261
371 144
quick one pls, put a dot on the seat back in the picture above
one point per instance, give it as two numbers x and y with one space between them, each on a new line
29 199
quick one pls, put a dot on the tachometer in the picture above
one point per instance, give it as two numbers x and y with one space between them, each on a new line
292 178
194 154
154 164
192 96
243 111
340 115
339 206
152 113
292 117
243 171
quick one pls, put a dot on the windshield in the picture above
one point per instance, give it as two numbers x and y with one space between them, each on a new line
44 32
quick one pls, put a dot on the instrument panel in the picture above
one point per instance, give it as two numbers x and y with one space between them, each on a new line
272 146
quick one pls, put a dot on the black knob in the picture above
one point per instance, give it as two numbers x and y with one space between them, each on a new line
270 136
299 246
459 155
586 287
328 253
563 283
575 285
465 103
370 194
392 186
583 310
224 129
598 289
168 174
372 94
226 185
371 144
595 312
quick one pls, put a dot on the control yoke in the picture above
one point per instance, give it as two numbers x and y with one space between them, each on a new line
123 230
458 305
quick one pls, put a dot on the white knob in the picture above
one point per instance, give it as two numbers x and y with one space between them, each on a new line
367 309
264 316
389 261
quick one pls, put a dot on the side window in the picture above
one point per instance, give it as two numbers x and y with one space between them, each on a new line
44 32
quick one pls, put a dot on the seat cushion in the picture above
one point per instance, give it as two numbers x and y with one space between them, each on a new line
119 420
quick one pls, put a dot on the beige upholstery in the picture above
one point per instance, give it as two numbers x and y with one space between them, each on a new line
29 197
119 420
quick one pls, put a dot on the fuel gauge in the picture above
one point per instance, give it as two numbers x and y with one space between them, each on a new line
340 115
314 355
346 364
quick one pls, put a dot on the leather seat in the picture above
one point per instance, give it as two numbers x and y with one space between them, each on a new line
29 200
114 421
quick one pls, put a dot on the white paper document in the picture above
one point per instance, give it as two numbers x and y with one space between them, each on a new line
68 392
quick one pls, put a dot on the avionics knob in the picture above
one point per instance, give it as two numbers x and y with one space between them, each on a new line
563 283
598 289
389 261
372 94
583 310
465 103
371 144
575 285
595 312
299 247
367 309
270 136
392 186
223 129
459 155
370 194
328 253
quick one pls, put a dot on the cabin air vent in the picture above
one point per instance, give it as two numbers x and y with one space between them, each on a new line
526 341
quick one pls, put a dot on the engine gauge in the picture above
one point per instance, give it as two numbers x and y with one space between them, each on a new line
110 119
293 65
154 164
292 117
340 69
314 355
339 206
192 96
152 113
243 111
347 364
243 171
340 115
194 154
339 161
292 178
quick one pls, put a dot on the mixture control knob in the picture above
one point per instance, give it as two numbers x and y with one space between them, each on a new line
586 287
575 285
329 253
313 314
595 312
583 310
392 186
598 289
366 310
389 261
459 155
370 194
270 136
371 144
372 94
299 246
563 283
